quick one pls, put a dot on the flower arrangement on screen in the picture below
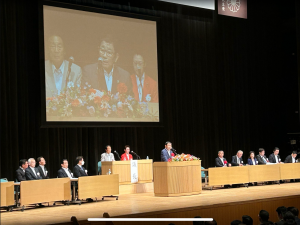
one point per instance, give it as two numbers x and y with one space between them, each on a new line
77 101
182 157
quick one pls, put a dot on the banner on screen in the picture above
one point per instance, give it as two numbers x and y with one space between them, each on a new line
99 67
234 8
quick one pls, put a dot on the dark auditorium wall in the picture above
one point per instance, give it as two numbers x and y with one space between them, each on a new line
227 83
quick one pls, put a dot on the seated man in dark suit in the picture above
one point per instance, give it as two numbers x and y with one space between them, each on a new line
247 220
166 153
291 158
221 161
105 75
295 212
274 157
41 168
237 159
79 170
261 158
64 171
263 217
31 172
20 172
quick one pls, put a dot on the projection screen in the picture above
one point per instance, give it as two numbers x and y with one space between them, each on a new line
99 67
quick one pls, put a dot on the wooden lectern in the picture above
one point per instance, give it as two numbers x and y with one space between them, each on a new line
145 170
177 178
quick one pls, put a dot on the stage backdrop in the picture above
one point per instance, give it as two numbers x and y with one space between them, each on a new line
227 84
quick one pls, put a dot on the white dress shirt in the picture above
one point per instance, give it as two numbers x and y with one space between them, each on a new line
276 158
43 169
107 157
22 169
67 172
33 169
58 76
253 162
222 160
293 160
140 85
109 79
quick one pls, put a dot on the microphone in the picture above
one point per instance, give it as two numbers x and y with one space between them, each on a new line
174 150
117 154
136 154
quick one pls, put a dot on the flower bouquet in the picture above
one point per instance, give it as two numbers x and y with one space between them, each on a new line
182 157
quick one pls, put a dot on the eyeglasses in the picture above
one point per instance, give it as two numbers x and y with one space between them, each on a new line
108 53
58 47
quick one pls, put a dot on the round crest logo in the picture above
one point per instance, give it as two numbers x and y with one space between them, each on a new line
234 5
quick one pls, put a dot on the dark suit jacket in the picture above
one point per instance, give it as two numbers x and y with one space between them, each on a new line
40 170
97 81
62 173
272 158
297 220
288 159
78 172
281 222
260 160
30 174
234 161
250 161
20 175
219 162
165 155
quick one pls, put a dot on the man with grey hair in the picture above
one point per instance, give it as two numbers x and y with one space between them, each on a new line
237 159
221 161
31 172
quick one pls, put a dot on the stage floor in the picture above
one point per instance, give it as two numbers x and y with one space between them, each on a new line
146 205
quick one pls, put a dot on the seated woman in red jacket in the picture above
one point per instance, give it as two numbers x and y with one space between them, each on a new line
126 155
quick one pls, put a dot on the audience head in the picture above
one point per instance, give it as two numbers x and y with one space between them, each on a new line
263 216
127 149
281 210
261 151
247 220
31 162
41 161
239 153
198 222
79 160
236 222
251 155
221 153
108 149
23 163
294 154
213 222
64 163
293 210
168 145
288 216
276 151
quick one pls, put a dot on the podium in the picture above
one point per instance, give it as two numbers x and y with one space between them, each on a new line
177 178
145 170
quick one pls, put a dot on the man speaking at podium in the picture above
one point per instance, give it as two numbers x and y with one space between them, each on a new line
166 153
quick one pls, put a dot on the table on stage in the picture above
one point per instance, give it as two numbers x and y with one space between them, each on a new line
250 174
7 194
145 170
177 178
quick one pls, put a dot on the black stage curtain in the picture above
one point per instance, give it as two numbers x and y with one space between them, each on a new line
226 85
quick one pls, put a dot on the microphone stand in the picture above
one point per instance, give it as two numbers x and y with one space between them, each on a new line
138 157
117 154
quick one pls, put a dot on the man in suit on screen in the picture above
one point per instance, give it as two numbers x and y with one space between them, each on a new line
64 171
58 71
291 158
20 172
237 159
106 75
167 153
31 172
220 160
41 168
145 89
79 170
274 157
261 158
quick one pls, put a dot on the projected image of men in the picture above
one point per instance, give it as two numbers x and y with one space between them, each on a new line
106 75
59 71
145 89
